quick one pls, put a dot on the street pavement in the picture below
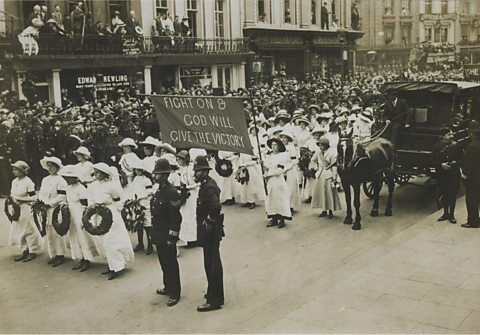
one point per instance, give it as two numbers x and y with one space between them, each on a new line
402 274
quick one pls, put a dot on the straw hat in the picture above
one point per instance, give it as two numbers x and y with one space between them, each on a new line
83 151
54 160
104 168
69 171
323 141
167 147
287 134
128 142
150 141
272 140
22 166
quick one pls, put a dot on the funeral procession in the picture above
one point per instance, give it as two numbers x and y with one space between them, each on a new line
239 166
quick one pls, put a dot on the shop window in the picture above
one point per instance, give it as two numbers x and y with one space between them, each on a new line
444 34
219 18
389 31
428 34
263 11
314 12
289 11
191 76
224 75
192 10
161 6
444 6
388 7
405 7
428 6
118 5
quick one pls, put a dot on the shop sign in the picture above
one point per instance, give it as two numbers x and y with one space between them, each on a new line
472 72
102 82
436 17
441 57
131 45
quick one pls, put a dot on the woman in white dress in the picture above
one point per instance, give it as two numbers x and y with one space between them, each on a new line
52 193
278 199
83 245
116 242
188 228
23 232
253 190
84 165
291 171
325 194
128 158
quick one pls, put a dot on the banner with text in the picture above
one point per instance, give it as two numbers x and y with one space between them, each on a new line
215 123
472 72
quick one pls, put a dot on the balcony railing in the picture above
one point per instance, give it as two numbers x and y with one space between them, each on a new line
47 44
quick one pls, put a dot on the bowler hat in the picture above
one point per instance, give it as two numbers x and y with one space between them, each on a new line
162 166
201 163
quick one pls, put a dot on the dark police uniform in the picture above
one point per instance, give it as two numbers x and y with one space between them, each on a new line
448 179
166 220
208 213
471 168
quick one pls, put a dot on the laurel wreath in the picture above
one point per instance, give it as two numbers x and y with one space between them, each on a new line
39 211
61 219
12 209
304 163
105 223
133 214
224 167
184 193
242 176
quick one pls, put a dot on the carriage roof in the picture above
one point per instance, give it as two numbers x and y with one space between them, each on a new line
448 87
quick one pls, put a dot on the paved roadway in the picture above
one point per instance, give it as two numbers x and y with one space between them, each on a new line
406 273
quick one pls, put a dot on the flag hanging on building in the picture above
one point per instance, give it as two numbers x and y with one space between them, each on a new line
214 123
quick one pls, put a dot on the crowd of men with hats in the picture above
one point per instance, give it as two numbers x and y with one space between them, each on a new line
110 153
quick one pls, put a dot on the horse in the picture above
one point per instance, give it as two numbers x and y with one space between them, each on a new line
358 163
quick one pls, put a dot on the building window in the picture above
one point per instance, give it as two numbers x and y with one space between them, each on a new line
314 12
444 34
464 32
224 77
405 7
118 5
389 33
161 6
428 6
263 10
289 11
406 34
466 6
444 8
428 34
436 34
219 18
192 16
388 7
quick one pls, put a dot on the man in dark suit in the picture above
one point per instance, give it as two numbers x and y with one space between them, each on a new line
131 24
397 115
166 220
471 177
209 233
324 16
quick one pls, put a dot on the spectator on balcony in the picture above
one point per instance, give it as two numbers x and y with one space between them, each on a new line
78 19
185 29
57 16
118 25
131 24
355 17
177 25
324 16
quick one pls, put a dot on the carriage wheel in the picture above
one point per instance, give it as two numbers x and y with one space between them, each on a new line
402 178
368 189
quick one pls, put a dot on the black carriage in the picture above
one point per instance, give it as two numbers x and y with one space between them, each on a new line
433 107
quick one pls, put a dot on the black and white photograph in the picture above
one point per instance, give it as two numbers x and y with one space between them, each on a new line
239 166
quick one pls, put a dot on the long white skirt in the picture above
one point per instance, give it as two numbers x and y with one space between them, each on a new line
278 199
188 228
57 245
24 233
82 244
293 187
254 190
324 196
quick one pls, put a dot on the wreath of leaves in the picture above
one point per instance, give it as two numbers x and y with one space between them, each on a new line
224 167
61 223
105 224
39 211
184 193
242 176
12 209
304 163
123 178
133 214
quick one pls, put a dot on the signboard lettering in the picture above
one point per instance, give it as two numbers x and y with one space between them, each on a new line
472 71
203 122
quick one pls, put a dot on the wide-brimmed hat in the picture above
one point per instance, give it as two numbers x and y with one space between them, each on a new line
69 171
366 116
302 119
341 119
138 164
474 127
356 108
282 114
104 168
315 107
83 151
319 129
323 141
167 147
272 140
343 110
201 163
183 154
22 166
287 134
127 141
150 141
54 160
324 116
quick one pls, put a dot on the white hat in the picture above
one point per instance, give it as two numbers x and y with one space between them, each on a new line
325 115
69 171
302 119
128 141
341 119
138 165
318 130
103 167
287 134
83 151
356 107
366 116
343 110
22 166
54 160
150 141
167 147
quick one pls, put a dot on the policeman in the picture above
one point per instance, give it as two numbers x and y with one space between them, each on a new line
166 220
471 177
446 155
209 233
